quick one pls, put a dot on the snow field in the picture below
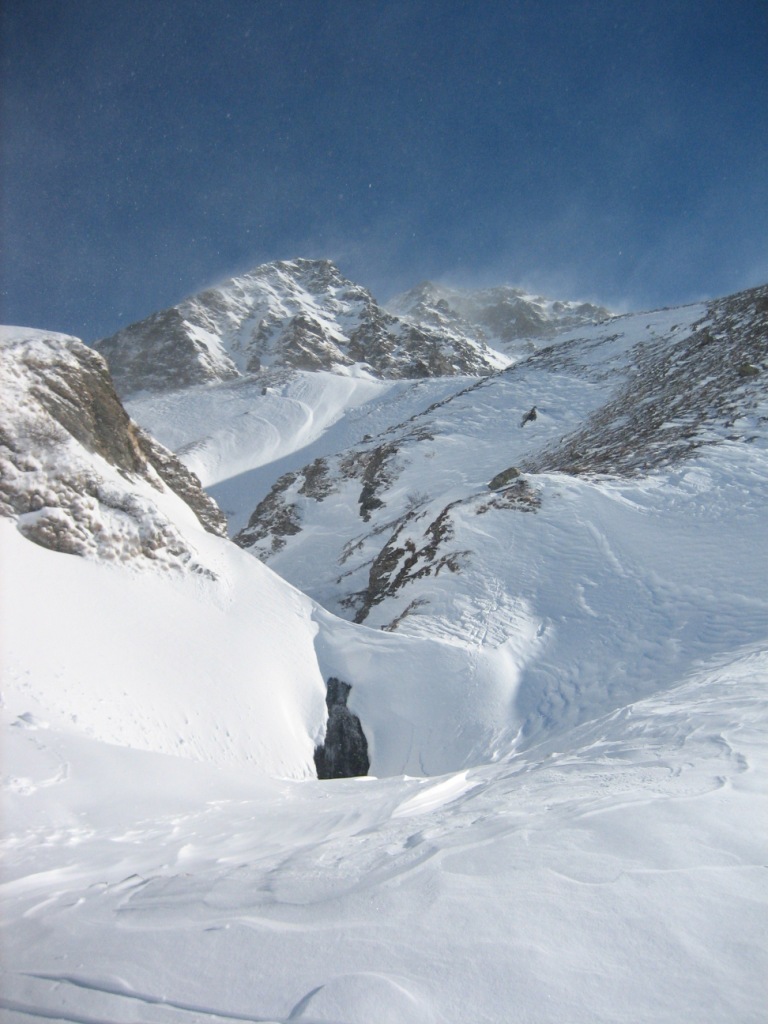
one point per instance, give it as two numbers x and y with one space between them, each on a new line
614 881
218 670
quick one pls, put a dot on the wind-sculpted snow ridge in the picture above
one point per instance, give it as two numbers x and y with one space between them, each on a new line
77 475
299 314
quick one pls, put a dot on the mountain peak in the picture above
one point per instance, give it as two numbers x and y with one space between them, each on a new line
305 314
296 314
501 315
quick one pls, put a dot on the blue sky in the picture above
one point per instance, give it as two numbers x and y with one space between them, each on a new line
613 150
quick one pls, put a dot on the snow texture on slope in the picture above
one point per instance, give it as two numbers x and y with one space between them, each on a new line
572 661
617 877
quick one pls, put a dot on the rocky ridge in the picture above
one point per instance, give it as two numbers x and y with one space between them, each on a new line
76 473
506 318
300 314
699 384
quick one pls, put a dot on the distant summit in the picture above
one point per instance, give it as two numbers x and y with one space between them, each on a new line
499 317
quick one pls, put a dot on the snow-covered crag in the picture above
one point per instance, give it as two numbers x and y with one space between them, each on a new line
508 319
202 652
76 474
299 314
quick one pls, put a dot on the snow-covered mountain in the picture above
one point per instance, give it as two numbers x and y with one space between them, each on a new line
508 319
300 314
462 522
638 394
553 632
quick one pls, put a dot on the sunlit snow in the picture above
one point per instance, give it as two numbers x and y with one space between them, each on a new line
565 819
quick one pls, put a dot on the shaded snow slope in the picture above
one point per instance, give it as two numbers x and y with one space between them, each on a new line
230 667
300 314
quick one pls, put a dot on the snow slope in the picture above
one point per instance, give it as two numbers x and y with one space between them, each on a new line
566 713
584 590
620 879
238 437
220 670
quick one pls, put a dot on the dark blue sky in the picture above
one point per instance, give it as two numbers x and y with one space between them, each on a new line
606 149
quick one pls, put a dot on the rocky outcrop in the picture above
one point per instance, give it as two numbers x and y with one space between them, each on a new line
408 555
273 519
183 482
344 753
76 473
680 394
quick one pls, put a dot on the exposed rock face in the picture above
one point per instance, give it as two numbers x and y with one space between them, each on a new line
75 472
301 314
171 349
504 479
274 518
184 482
676 392
345 751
